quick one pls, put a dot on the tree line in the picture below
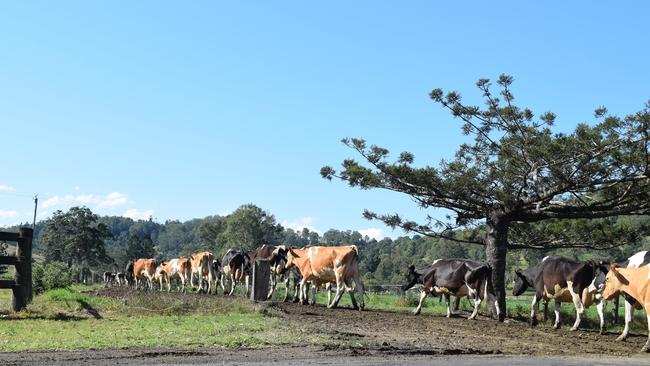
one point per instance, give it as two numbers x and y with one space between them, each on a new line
80 239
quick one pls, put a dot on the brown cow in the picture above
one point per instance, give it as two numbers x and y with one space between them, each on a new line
144 269
203 269
320 265
634 282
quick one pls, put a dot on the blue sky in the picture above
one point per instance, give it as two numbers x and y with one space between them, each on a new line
182 110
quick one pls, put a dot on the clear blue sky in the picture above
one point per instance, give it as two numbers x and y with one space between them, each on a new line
187 109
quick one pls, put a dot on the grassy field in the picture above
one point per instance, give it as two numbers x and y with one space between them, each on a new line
71 319
74 318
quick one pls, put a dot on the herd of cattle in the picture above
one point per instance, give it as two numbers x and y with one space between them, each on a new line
555 278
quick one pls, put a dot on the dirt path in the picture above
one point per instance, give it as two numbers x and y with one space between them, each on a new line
403 333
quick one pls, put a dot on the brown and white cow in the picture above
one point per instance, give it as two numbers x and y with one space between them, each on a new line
144 270
635 282
565 280
320 265
202 268
177 267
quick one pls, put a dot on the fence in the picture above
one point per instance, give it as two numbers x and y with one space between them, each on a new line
21 285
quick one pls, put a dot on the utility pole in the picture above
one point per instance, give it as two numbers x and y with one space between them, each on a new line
35 206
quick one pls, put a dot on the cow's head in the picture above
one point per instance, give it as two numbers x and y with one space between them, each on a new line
291 259
412 278
614 281
521 283
600 274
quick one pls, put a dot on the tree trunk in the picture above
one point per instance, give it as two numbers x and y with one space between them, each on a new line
496 248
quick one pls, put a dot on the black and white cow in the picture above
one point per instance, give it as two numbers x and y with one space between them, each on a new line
525 279
121 278
234 268
109 279
638 260
458 277
130 272
565 280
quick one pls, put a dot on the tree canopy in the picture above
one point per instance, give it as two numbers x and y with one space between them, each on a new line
512 173
75 238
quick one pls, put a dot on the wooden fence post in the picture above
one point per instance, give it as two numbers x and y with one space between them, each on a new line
22 290
261 278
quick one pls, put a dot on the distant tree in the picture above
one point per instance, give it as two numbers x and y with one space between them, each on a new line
140 248
75 238
515 173
250 226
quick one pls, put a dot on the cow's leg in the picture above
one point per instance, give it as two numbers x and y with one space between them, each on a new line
286 288
577 302
545 311
339 292
169 284
223 287
600 307
646 347
448 303
556 325
233 284
477 303
328 288
423 295
533 311
272 287
350 291
358 285
313 294
456 308
629 312
247 282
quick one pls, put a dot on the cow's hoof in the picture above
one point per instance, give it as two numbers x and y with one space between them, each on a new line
645 348
533 322
621 338
573 329
415 312
601 331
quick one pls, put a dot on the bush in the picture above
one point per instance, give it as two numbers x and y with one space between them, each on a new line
49 276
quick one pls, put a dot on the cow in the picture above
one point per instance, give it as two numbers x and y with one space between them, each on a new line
320 265
144 271
563 280
638 260
635 282
525 279
202 267
234 268
458 277
109 278
130 273
121 278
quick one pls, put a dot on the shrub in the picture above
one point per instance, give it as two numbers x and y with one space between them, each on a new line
50 275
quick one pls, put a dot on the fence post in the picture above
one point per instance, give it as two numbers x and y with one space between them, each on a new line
22 290
261 277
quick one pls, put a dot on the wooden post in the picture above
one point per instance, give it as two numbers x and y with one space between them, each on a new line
261 278
22 290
